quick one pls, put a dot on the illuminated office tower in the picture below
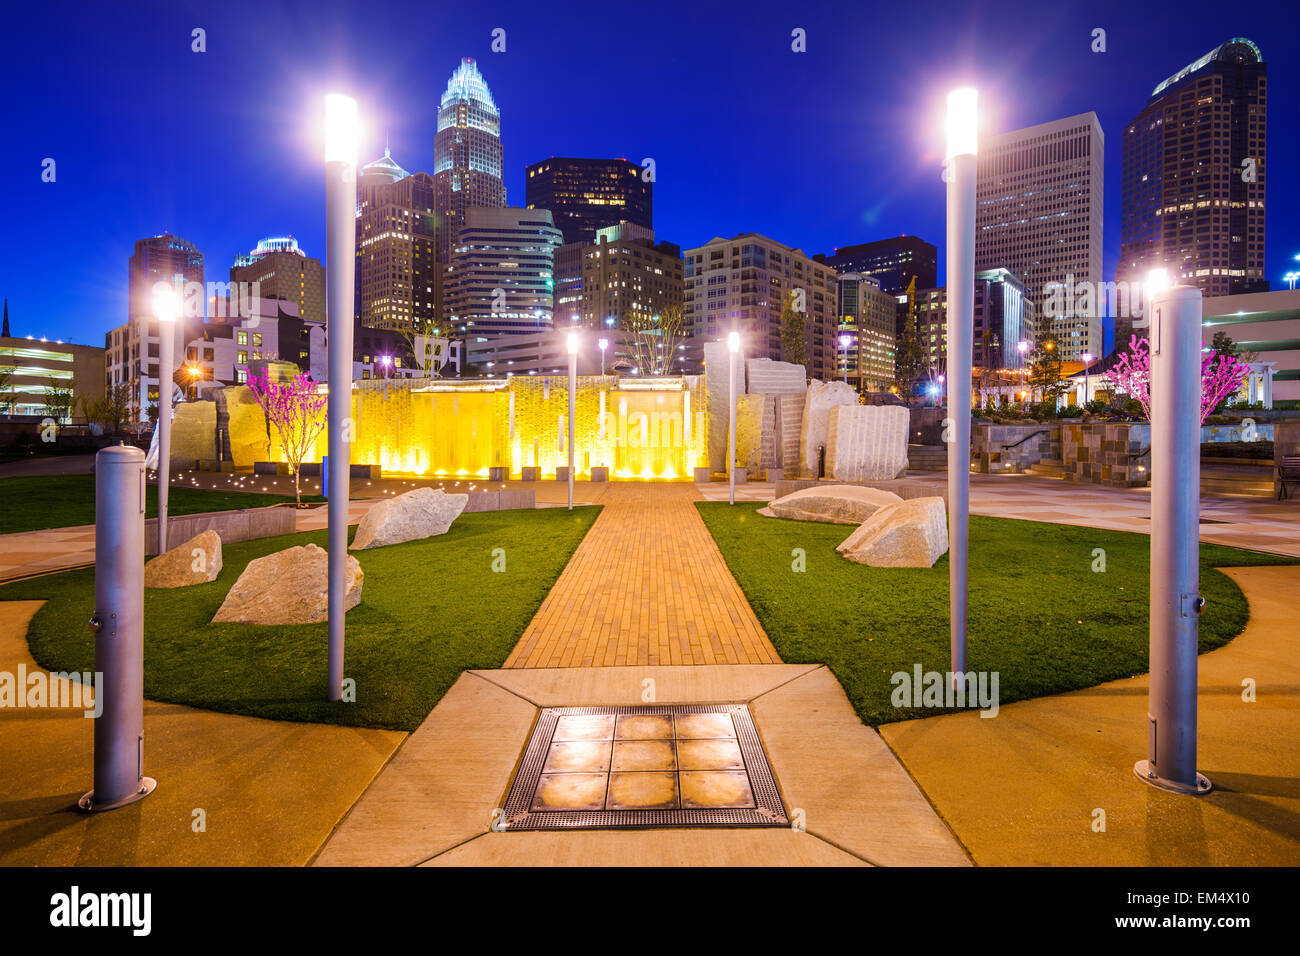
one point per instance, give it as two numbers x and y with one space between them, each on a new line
585 195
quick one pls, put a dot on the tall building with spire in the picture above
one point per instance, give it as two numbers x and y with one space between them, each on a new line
467 158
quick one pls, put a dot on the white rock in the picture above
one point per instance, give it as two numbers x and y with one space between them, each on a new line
909 534
835 504
287 587
197 561
408 517
819 401
866 442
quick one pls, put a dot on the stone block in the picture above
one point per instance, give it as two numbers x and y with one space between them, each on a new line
197 561
909 534
529 473
600 473
866 442
417 514
288 587
814 423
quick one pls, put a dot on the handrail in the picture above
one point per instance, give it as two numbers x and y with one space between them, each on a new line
1141 454
1041 431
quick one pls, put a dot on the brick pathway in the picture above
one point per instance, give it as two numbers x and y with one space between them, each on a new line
646 586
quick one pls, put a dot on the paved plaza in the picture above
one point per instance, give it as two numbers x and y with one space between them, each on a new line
646 606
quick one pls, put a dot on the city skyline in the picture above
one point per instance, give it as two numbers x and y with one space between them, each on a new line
882 179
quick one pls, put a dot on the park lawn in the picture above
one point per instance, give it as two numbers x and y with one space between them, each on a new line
1038 614
38 502
429 610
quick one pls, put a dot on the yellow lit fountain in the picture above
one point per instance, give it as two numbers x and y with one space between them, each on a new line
647 428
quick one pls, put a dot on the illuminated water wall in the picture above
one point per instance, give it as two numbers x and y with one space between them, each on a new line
637 428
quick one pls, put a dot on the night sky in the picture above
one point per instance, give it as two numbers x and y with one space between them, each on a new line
838 145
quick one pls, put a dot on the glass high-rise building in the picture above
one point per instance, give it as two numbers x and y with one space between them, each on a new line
892 262
502 276
1038 214
1194 177
133 351
467 158
585 195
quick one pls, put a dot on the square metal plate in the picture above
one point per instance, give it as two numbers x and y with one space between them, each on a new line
682 765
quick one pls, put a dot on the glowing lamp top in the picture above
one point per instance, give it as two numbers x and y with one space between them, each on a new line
963 122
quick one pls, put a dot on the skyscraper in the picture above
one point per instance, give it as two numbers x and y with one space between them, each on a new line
1194 176
892 262
867 317
398 274
283 271
1038 214
467 160
744 283
584 195
133 353
620 280
502 272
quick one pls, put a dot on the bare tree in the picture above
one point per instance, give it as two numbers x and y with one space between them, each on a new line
654 340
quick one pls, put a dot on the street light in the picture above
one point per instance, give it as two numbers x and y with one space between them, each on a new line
733 347
604 344
340 251
164 310
1290 278
1087 360
962 145
844 344
573 403
1022 347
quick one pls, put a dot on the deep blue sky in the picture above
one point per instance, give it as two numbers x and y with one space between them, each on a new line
838 145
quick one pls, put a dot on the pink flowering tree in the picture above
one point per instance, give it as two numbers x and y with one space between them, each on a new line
296 410
1221 376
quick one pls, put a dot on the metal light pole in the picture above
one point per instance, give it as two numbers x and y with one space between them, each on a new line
1022 347
1087 362
604 344
164 310
733 347
573 403
844 344
118 626
1175 539
340 246
962 145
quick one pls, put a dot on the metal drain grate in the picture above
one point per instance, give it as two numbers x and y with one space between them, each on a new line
684 765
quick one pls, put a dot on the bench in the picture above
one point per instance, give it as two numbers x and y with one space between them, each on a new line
1288 470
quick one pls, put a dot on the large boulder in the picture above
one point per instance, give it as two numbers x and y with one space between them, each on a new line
288 587
909 534
818 402
197 561
408 517
835 504
866 442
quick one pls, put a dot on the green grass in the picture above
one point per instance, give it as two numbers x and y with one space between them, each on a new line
37 502
1038 614
429 610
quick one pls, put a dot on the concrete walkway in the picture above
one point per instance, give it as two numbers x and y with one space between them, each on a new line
1026 788
269 791
437 800
647 585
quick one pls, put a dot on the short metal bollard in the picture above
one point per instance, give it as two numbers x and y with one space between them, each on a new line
118 624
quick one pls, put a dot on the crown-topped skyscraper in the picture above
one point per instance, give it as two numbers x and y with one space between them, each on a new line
467 160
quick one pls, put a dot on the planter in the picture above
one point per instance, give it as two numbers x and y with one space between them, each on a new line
1107 453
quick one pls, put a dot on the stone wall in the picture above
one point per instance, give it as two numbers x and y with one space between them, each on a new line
992 448
1104 453
866 442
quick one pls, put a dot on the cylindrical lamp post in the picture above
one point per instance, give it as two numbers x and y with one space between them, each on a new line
1175 539
118 626
844 344
573 403
604 344
340 250
1022 347
733 348
1087 362
164 310
962 145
